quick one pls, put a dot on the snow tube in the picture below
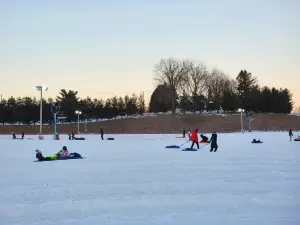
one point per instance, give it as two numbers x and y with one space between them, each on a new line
110 139
80 138
190 149
172 146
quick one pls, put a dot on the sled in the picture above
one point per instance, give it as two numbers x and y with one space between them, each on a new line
172 146
80 138
297 139
110 139
189 150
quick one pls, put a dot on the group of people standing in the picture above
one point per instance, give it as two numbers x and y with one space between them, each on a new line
15 137
213 140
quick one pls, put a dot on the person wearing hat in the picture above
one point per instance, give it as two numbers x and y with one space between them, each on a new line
64 153
40 157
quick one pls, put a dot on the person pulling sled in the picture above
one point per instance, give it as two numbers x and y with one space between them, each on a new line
213 142
194 138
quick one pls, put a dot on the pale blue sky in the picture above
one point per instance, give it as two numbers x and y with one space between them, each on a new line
106 48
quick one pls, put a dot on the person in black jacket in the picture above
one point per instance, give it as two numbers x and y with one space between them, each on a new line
101 132
183 133
213 142
291 134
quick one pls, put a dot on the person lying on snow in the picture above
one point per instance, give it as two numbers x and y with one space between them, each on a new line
194 138
204 139
40 157
256 141
60 155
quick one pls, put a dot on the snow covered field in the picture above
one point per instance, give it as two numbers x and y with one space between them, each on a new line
135 180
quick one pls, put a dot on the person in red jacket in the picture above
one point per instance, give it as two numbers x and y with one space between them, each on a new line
194 138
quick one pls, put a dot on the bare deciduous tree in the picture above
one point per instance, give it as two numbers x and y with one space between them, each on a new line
196 82
197 79
217 82
173 73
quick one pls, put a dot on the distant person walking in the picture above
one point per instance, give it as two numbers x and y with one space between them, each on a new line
14 135
102 133
213 142
291 134
183 133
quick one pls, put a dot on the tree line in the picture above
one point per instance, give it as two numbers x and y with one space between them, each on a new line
182 84
26 110
191 86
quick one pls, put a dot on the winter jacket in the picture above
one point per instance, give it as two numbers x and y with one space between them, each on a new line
194 136
63 154
213 140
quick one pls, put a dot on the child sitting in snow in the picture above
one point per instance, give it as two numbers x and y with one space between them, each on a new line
64 153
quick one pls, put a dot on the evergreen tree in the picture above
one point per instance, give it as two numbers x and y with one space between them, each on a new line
132 107
69 103
108 109
121 107
229 101
247 90
114 105
141 104
286 102
185 103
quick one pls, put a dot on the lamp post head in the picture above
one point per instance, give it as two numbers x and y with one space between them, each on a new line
78 112
241 110
41 88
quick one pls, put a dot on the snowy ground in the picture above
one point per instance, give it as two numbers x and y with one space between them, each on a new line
135 180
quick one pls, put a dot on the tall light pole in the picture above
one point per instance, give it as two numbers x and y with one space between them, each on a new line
242 125
78 114
55 110
41 88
